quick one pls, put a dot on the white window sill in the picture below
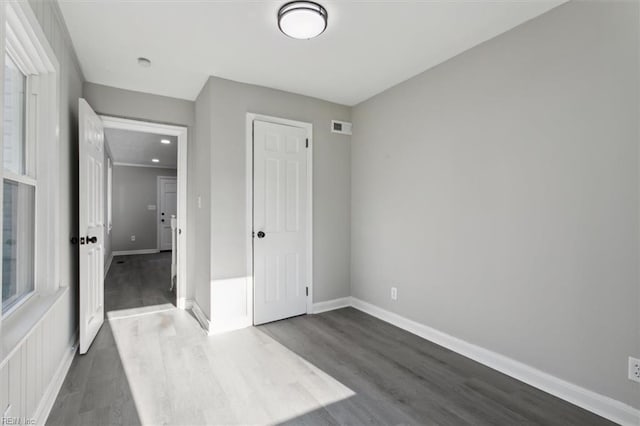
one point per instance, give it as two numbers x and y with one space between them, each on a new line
17 326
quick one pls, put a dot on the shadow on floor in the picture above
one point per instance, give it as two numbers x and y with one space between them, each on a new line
96 390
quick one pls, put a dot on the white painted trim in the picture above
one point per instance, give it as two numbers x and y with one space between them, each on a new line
181 133
330 305
108 265
27 44
251 117
51 392
183 303
596 403
151 166
134 252
199 314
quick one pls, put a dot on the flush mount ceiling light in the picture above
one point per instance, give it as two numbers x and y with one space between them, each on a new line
302 19
144 62
155 160
165 141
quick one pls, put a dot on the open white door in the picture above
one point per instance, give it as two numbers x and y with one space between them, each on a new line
168 206
91 198
279 221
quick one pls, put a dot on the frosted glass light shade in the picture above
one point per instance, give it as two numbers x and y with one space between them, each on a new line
302 19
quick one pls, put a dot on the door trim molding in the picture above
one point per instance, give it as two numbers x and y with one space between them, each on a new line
134 252
158 198
181 133
251 117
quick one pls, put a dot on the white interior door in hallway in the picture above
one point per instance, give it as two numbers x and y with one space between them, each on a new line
280 221
167 207
91 232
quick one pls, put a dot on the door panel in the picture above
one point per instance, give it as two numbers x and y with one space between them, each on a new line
91 199
280 212
168 203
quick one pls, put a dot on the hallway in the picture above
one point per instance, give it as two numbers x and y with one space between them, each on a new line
138 280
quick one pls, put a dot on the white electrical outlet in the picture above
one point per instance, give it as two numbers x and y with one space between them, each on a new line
133 238
634 369
394 293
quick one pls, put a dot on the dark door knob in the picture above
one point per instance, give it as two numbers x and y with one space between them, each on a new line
261 234
92 240
161 220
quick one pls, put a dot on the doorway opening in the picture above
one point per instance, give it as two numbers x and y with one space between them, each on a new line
147 208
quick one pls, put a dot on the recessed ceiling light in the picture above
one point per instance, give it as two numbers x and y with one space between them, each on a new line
302 19
165 141
144 62
155 160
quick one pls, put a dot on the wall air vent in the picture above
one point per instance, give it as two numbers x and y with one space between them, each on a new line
341 127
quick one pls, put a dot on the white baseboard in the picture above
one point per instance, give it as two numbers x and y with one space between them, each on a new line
330 305
132 252
108 265
51 393
216 327
596 403
200 316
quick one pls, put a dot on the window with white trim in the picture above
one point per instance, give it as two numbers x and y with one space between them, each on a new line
29 157
19 192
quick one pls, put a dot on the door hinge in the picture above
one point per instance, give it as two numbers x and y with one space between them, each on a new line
307 144
307 288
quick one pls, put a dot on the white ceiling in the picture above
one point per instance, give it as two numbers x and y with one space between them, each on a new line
368 46
128 147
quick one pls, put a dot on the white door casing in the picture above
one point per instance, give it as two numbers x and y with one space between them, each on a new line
167 207
91 199
280 221
182 135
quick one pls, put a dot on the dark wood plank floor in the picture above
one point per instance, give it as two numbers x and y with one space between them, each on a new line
138 280
96 390
396 377
400 378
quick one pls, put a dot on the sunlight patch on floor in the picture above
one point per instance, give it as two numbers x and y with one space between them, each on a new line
135 312
179 376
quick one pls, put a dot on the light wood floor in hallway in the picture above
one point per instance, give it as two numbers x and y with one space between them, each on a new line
154 365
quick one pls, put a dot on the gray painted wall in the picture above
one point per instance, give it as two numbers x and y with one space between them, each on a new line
134 189
230 101
499 193
137 105
201 180
160 109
